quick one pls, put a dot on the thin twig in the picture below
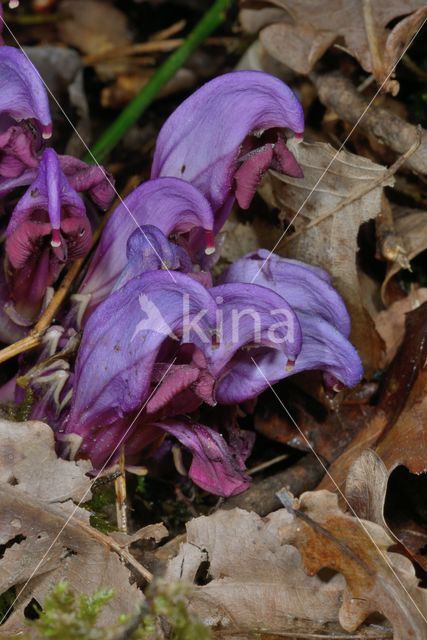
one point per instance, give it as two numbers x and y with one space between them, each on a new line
120 490
267 464
152 46
126 556
170 31
357 193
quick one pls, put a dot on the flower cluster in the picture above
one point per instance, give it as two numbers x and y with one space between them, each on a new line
46 221
160 336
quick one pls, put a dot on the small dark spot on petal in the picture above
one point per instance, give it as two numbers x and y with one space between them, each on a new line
183 168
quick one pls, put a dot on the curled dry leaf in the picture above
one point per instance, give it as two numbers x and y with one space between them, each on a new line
309 27
376 580
44 537
411 225
369 491
245 580
390 323
338 193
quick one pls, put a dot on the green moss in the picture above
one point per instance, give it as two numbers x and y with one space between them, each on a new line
66 616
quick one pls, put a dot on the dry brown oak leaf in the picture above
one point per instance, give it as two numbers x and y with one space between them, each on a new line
309 27
38 492
376 580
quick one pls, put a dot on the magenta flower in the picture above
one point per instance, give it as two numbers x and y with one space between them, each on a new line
324 321
225 136
152 352
47 229
91 179
24 113
173 206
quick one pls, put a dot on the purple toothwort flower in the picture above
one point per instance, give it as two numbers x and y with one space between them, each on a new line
24 113
226 135
121 396
91 179
47 229
324 322
172 205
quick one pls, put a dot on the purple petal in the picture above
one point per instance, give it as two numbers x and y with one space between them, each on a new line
10 331
148 249
182 387
171 205
18 151
22 92
324 348
304 287
122 339
47 229
253 316
94 179
203 140
213 467
9 184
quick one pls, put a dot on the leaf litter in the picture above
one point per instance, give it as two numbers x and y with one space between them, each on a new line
312 569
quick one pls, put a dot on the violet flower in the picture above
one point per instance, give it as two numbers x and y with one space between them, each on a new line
114 392
47 229
148 249
24 113
226 135
91 179
324 321
173 206
137 377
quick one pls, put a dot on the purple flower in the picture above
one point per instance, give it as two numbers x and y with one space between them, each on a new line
324 321
24 113
226 135
121 391
122 341
173 206
94 180
47 229
152 352
148 249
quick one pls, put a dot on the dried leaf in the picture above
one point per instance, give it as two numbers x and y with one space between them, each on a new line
396 430
390 323
51 479
245 580
411 225
239 238
309 27
371 490
376 581
45 538
94 27
338 193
